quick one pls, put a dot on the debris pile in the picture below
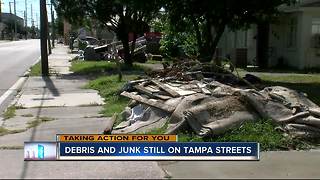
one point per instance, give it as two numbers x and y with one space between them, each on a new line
177 98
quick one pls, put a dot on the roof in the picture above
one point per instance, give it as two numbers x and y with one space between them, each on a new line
300 5
310 3
8 15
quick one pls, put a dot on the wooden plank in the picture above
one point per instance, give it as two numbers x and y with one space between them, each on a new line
166 88
149 93
157 104
138 81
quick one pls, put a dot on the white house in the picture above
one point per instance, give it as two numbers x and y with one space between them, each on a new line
293 41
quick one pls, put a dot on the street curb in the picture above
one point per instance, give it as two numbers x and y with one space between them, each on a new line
14 89
17 85
28 70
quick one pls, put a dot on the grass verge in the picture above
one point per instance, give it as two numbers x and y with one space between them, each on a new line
35 70
103 67
107 83
261 131
109 88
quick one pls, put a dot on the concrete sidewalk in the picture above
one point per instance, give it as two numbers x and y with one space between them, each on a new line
59 104
277 165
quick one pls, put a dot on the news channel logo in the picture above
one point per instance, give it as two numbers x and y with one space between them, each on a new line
37 151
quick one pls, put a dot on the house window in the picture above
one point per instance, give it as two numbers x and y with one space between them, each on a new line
292 33
315 26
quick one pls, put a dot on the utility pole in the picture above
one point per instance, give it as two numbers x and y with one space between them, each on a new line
49 43
15 20
43 37
2 36
26 18
12 34
37 21
52 24
53 33
32 22
10 8
0 11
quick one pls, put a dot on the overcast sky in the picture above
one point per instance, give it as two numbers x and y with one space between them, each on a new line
20 5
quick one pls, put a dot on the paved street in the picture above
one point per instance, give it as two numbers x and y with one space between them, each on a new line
15 58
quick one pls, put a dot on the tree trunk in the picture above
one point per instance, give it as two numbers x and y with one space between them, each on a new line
133 44
205 52
126 49
198 33
127 54
262 45
215 44
211 42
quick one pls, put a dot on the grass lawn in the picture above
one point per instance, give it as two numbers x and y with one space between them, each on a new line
262 131
107 83
35 70
102 68
309 84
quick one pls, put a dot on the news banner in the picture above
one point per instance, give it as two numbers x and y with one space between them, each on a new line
136 147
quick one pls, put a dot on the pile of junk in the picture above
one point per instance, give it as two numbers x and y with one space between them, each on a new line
209 102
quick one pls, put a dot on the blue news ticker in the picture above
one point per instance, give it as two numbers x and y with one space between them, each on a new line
229 150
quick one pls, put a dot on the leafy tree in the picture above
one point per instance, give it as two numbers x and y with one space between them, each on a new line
174 42
210 18
58 25
121 16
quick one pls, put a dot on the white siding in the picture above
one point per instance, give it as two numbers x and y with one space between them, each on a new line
310 54
282 43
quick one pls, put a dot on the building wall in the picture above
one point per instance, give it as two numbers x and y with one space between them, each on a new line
231 40
310 54
252 44
285 41
291 40
303 54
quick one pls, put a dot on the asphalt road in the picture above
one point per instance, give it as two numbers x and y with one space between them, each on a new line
15 58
